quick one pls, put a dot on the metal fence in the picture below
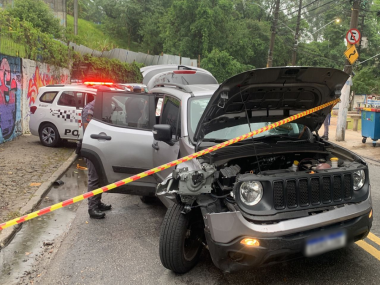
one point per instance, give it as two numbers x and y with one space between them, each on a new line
130 56
9 46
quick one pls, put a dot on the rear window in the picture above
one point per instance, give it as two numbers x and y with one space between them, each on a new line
48 97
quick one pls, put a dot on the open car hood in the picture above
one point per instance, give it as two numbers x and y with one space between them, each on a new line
272 94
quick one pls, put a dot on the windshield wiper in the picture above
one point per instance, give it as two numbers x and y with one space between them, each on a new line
214 140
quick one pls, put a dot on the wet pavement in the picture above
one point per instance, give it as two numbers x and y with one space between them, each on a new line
123 249
37 237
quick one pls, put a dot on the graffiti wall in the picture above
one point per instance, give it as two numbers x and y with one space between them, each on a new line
36 75
10 97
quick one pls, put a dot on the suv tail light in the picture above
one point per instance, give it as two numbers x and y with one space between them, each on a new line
33 109
184 71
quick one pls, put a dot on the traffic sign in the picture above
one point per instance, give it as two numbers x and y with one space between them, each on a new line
351 54
353 36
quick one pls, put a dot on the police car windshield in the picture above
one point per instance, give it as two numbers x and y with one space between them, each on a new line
197 106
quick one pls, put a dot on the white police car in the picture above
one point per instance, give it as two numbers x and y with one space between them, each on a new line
56 114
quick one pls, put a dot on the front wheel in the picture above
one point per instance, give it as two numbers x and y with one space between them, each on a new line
49 135
181 239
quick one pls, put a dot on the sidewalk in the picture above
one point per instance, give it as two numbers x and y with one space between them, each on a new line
24 161
353 142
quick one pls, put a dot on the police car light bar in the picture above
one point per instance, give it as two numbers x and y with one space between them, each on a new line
98 83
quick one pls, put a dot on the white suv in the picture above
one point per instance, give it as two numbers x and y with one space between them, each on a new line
56 114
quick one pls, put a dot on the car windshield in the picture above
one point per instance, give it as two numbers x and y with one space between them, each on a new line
197 106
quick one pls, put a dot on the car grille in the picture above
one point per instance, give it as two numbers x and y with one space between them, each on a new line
304 192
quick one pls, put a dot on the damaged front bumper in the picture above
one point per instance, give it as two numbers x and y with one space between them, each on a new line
282 241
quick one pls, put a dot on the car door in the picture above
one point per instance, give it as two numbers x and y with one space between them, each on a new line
65 113
122 147
163 152
83 98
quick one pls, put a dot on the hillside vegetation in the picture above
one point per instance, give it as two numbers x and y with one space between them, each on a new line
92 35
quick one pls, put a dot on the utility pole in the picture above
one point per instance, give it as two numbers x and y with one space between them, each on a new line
345 94
75 17
361 32
294 55
274 27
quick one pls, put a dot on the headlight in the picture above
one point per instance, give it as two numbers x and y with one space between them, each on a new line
251 192
359 179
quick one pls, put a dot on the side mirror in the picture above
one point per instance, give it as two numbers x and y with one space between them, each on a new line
163 133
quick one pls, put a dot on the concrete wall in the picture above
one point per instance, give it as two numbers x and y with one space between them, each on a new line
20 80
36 75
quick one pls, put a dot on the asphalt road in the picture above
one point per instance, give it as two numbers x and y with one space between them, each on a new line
123 249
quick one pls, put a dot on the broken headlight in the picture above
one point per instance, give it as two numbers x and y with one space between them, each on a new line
251 192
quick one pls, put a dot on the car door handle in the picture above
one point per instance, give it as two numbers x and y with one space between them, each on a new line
155 146
100 137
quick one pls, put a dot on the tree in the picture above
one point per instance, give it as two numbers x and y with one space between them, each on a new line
367 81
90 10
38 14
222 65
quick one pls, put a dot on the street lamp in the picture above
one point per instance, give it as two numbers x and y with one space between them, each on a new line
337 20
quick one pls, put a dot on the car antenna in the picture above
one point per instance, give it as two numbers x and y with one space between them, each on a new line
249 125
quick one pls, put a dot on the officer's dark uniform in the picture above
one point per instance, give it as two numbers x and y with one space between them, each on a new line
95 206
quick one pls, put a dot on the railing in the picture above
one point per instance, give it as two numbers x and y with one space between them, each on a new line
9 46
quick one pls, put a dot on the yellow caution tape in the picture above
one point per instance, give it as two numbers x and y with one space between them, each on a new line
162 167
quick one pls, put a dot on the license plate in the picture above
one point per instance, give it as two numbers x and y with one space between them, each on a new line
325 243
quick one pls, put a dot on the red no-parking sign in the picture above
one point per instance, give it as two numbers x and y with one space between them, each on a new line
353 36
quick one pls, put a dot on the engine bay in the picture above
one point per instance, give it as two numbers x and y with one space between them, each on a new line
220 180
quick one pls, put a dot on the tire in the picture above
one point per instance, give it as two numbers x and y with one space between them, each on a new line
364 140
49 135
180 239
148 199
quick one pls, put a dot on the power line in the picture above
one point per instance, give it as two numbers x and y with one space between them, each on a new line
319 7
315 14
307 5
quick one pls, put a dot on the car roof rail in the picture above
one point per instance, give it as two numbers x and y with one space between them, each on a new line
177 85
55 85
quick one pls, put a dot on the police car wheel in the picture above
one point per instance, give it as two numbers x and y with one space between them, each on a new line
49 135
181 239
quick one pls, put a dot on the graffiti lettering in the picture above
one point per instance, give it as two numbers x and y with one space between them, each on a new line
39 79
10 96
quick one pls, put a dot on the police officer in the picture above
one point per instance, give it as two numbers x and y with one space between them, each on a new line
95 206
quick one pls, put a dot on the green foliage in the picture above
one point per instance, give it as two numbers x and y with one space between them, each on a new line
93 68
38 14
90 35
367 81
222 65
36 44
89 10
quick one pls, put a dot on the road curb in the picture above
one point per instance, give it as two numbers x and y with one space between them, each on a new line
7 234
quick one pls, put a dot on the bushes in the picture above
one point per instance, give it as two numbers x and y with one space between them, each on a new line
36 44
43 47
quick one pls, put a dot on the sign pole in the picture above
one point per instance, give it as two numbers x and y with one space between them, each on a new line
343 106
